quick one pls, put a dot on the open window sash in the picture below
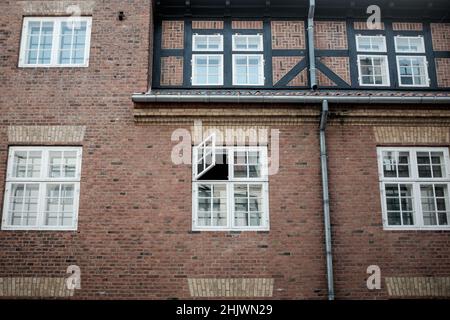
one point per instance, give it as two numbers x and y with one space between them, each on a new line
205 156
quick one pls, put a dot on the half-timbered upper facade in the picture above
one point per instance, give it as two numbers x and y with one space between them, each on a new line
244 50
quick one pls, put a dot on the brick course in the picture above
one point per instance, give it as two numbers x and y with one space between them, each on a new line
362 25
207 24
240 24
407 26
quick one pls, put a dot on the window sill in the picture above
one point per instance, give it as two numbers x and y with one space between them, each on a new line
230 230
389 228
34 66
10 228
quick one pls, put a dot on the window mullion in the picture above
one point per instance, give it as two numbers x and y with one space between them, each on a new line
39 42
40 218
435 205
211 207
55 42
418 205
71 41
230 204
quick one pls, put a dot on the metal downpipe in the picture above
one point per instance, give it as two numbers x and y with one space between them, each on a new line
311 49
326 199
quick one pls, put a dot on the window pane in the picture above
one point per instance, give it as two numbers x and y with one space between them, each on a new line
70 162
207 43
399 204
413 70
373 70
409 44
247 42
212 205
55 160
394 218
240 43
389 164
248 70
59 205
438 165
23 204
27 164
40 37
215 42
434 200
207 70
364 44
72 42
248 204
370 43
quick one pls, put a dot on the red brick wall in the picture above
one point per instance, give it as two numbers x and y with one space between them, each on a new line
300 80
282 65
171 71
358 235
330 35
134 236
362 25
240 24
441 36
323 80
339 65
288 35
172 34
443 72
207 24
407 26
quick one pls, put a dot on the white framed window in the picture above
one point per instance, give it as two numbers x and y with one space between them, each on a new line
414 184
233 194
55 42
248 69
373 70
371 43
207 69
42 188
412 71
208 42
253 42
409 44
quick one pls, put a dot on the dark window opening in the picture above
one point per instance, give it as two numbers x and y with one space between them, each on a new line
220 169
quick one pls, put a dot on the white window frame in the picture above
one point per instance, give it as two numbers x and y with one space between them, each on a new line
416 182
261 78
230 183
359 36
208 36
360 75
194 64
247 36
57 22
212 140
396 38
427 78
43 181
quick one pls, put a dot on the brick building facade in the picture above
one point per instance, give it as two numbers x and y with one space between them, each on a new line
135 231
